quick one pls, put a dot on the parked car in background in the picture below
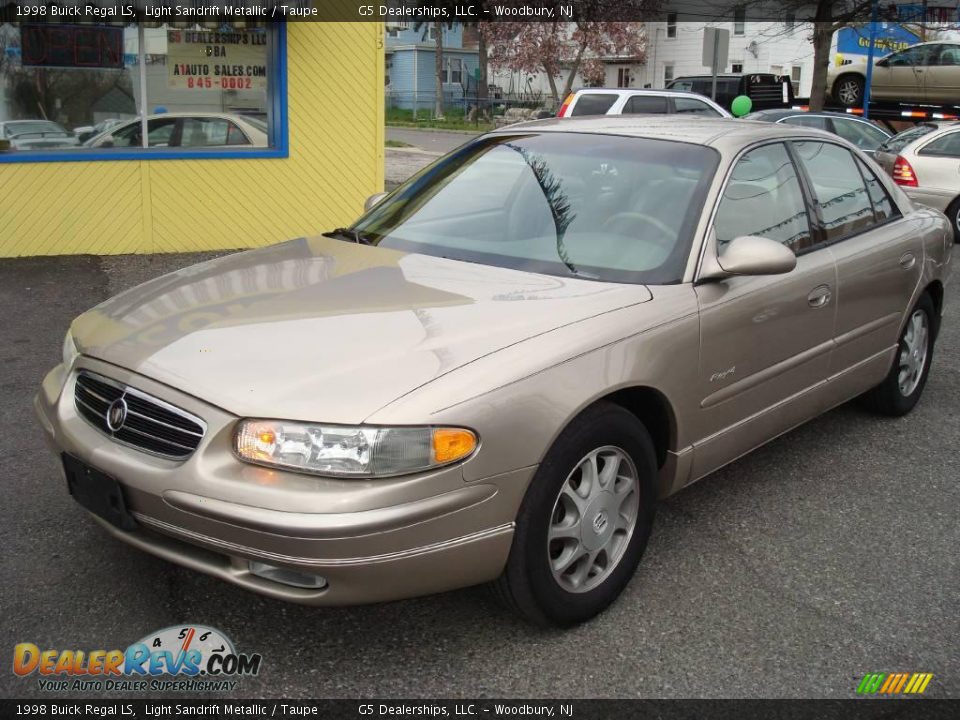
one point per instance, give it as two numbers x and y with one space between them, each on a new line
862 133
628 101
36 135
765 90
189 130
85 132
927 72
925 161
498 370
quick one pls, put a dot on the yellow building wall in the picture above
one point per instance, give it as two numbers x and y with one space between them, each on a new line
336 128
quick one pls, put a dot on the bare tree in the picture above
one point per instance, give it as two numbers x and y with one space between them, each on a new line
558 48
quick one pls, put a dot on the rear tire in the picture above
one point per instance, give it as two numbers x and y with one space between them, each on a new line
953 214
584 523
901 390
848 90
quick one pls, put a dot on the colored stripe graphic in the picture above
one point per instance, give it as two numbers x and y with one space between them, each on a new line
894 683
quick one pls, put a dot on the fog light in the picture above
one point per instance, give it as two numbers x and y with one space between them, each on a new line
287 576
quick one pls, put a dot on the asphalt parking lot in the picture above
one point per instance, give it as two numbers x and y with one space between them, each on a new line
830 553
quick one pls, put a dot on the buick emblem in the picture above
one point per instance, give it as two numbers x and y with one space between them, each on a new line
116 414
600 522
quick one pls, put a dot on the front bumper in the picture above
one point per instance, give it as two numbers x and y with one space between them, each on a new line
370 540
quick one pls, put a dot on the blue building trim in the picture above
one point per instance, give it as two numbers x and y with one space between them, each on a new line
279 131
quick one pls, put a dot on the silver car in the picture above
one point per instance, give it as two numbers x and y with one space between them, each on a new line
36 135
925 162
496 372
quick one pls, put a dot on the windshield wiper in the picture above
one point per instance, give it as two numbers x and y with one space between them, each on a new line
349 234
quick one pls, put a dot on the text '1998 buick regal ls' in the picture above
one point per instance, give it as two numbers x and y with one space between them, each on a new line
494 374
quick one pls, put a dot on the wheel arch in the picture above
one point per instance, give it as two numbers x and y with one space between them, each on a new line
652 408
935 290
844 75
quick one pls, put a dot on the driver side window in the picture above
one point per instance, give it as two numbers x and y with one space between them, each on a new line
909 57
763 198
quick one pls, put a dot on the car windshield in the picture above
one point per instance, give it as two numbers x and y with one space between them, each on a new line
40 127
603 207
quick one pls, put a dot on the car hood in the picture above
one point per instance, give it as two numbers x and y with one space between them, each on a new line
321 329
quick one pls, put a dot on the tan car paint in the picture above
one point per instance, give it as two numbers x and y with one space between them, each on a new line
714 367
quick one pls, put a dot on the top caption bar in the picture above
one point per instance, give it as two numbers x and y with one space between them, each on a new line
211 11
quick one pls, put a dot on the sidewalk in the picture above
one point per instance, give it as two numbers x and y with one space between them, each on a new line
401 163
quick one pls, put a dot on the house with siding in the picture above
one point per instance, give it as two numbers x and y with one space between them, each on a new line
676 48
411 66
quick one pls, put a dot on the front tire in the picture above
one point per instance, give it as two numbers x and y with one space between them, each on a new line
585 520
848 90
901 390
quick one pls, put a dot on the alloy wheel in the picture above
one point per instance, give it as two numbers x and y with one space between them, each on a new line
849 92
593 519
913 352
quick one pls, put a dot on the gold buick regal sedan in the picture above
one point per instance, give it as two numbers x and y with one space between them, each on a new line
494 374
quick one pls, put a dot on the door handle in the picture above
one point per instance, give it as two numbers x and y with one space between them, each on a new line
819 297
908 261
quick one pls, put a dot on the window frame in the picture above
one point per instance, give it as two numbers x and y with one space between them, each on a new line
710 110
807 205
739 20
671 26
278 135
819 234
643 96
710 232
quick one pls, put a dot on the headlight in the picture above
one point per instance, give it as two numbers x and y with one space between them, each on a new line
70 351
345 451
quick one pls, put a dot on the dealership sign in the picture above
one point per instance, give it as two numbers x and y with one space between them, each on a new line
203 59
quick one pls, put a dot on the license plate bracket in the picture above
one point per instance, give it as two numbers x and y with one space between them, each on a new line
98 492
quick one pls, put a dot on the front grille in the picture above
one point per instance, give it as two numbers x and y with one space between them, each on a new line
147 423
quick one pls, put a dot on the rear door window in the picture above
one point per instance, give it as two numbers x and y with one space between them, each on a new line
593 104
645 104
864 135
692 106
839 190
883 206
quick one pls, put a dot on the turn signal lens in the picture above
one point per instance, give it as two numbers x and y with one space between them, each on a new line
451 444
566 106
903 173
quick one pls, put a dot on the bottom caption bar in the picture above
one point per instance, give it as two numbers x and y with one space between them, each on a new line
855 709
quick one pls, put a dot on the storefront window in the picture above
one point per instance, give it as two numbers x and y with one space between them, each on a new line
171 90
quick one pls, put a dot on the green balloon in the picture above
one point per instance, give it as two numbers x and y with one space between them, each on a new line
741 105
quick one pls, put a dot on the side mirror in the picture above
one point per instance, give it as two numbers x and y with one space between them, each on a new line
107 142
750 255
373 200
